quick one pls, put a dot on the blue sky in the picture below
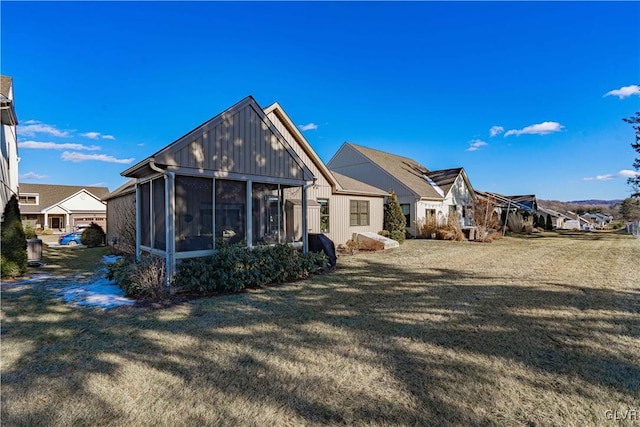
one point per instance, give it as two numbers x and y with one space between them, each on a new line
101 86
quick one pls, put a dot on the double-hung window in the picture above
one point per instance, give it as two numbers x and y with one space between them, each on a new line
359 212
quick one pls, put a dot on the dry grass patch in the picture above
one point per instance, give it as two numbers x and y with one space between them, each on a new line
523 331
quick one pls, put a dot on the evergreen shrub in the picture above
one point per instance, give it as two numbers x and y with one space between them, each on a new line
13 244
93 236
233 268
394 221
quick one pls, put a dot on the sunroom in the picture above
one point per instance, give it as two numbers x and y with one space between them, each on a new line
223 181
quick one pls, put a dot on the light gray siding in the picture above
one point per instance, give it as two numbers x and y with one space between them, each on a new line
121 220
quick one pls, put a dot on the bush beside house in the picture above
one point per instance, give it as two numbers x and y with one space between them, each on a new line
93 236
13 256
394 222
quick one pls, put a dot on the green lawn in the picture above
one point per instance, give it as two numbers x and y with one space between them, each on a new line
531 330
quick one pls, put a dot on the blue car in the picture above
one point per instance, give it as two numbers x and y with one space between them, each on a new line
70 239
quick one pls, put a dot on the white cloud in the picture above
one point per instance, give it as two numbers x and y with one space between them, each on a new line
495 130
96 135
308 126
79 157
543 128
606 177
32 127
624 173
56 146
32 175
624 91
475 144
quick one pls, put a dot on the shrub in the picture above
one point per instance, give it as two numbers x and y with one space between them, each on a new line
144 279
549 224
451 230
13 244
394 221
485 220
93 236
384 233
29 231
427 228
235 267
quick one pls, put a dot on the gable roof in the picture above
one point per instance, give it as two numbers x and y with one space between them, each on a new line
527 202
340 184
445 178
51 195
353 186
126 188
174 155
8 114
409 172
5 85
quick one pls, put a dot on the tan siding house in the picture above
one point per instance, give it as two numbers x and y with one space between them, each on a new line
60 208
333 196
421 193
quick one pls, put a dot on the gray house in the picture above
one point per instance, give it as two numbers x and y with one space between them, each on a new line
422 194
245 176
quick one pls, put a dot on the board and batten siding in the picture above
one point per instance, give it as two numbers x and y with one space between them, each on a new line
121 216
340 229
240 142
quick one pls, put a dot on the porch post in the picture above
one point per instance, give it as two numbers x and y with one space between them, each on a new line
138 221
46 221
170 218
249 214
305 227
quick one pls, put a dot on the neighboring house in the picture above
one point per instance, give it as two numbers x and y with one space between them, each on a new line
526 205
597 219
422 194
339 206
558 219
245 176
61 207
9 166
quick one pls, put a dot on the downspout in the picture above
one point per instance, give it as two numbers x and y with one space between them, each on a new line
170 261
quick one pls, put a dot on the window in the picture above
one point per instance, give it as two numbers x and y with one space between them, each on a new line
359 212
406 211
194 214
430 213
159 221
28 199
324 215
145 214
231 213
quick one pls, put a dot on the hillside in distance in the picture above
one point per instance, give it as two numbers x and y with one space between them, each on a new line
608 207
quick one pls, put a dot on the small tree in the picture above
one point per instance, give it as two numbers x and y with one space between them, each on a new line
535 220
549 225
93 236
485 219
394 221
13 256
630 209
634 181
